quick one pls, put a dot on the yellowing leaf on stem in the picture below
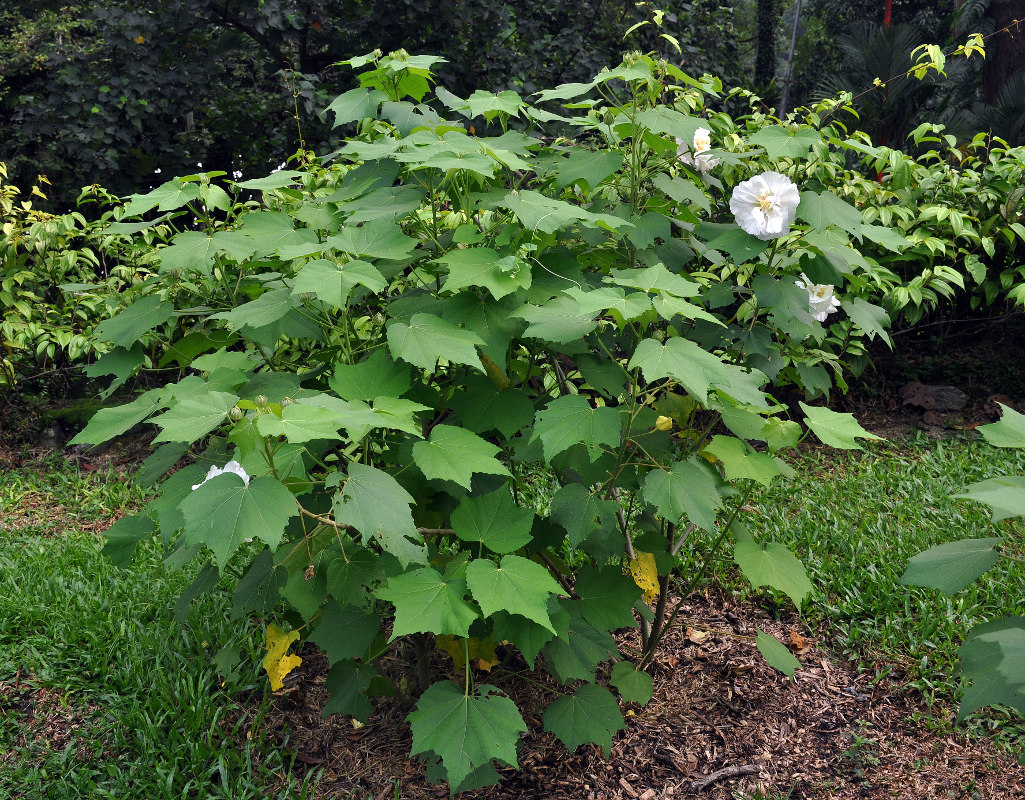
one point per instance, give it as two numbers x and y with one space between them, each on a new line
482 652
278 663
645 575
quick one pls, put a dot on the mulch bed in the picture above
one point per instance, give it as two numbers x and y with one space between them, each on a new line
719 712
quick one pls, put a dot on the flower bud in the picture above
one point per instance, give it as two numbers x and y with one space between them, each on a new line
664 423
260 400
288 401
235 414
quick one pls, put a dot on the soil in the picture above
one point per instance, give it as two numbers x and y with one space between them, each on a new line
721 721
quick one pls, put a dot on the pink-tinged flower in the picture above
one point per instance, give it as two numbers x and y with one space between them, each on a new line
693 155
820 298
765 205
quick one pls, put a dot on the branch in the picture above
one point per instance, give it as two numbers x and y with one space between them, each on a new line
725 772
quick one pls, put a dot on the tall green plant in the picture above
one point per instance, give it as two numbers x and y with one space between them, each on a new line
382 355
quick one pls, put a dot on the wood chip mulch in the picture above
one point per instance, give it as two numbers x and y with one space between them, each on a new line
721 723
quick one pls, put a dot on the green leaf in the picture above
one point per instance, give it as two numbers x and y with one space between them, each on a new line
571 420
454 454
872 319
125 327
950 567
190 251
991 660
559 320
194 416
884 236
345 633
124 536
347 682
685 362
1005 496
682 190
425 602
776 654
655 278
482 266
581 513
588 168
493 520
300 423
577 655
517 585
781 142
274 231
482 408
738 244
589 715
159 462
772 565
835 429
780 433
490 319
427 339
822 209
355 105
110 422
634 686
466 732
224 510
166 197
398 414
688 489
607 597
547 215
351 573
276 180
740 460
528 636
378 238
565 91
332 282
264 310
376 505
258 591
490 105
1008 432
373 377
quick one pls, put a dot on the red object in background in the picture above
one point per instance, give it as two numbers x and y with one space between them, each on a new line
886 13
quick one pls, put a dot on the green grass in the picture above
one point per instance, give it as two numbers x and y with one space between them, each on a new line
126 701
855 519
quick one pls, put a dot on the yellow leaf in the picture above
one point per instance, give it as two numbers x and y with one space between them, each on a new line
276 662
482 652
139 39
645 575
664 423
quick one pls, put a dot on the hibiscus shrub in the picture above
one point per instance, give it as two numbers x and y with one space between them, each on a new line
376 357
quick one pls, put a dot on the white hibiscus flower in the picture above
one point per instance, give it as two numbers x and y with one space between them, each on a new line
820 298
765 205
231 466
693 155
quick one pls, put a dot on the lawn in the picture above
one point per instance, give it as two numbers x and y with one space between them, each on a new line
104 693
108 690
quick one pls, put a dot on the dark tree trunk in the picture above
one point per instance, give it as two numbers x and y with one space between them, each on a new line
1005 52
765 59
